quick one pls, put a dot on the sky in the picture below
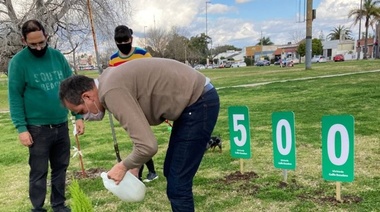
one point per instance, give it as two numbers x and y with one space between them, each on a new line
242 23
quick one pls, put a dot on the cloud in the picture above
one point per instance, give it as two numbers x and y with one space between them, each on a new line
332 13
227 31
242 1
229 23
220 9
164 13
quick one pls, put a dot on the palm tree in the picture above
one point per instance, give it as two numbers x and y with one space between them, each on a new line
371 12
339 31
265 41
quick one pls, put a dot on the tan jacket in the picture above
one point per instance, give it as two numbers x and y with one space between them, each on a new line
145 92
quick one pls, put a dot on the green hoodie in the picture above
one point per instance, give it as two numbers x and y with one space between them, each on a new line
33 84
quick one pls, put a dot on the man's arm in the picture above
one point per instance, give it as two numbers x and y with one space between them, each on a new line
126 110
16 87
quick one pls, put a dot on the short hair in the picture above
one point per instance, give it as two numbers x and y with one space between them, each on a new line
123 33
31 26
72 88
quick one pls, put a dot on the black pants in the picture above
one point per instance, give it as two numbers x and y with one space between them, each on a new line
51 144
150 165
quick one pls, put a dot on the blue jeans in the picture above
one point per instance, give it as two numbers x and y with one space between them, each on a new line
187 145
50 144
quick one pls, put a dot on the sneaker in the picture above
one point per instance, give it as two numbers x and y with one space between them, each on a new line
150 177
62 209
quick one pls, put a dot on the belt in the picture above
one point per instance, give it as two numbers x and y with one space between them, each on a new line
207 88
51 126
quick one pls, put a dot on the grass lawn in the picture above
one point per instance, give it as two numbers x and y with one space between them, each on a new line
346 88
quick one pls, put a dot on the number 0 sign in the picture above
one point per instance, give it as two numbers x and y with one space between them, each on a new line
240 138
284 140
338 148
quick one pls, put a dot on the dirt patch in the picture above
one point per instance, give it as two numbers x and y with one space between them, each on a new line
88 174
317 196
345 199
238 177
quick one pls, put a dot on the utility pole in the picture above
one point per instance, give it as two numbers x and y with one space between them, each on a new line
206 15
207 59
309 31
100 68
144 38
360 30
261 44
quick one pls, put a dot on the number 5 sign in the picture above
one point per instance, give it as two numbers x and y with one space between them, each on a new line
338 148
240 138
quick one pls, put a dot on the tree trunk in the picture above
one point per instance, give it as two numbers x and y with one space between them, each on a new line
365 50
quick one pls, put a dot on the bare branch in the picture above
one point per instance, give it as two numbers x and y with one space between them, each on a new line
11 11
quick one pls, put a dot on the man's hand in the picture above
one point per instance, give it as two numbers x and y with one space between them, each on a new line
25 139
135 172
79 125
117 172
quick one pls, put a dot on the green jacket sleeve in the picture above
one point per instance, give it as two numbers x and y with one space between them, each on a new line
16 86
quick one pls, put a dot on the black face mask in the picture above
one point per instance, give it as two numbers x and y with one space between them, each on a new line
38 53
124 48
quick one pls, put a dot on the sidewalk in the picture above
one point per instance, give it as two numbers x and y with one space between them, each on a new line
298 79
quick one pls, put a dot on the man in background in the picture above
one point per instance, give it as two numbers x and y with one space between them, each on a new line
38 115
126 52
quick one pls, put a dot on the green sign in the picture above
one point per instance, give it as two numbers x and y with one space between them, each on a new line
284 140
240 138
338 148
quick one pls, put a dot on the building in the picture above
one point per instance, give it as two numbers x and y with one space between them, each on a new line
230 55
334 47
287 51
256 53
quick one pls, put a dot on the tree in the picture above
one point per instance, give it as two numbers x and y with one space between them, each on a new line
321 36
265 41
157 41
340 32
178 45
177 48
371 13
65 21
297 36
198 46
316 45
301 49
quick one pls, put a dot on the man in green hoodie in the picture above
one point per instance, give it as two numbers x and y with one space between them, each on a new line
40 119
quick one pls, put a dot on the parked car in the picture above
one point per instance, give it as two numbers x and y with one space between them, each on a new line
318 59
295 60
199 67
242 64
210 66
228 65
287 62
262 63
86 67
338 57
238 64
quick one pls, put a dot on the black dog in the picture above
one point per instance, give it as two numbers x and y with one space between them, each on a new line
215 141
